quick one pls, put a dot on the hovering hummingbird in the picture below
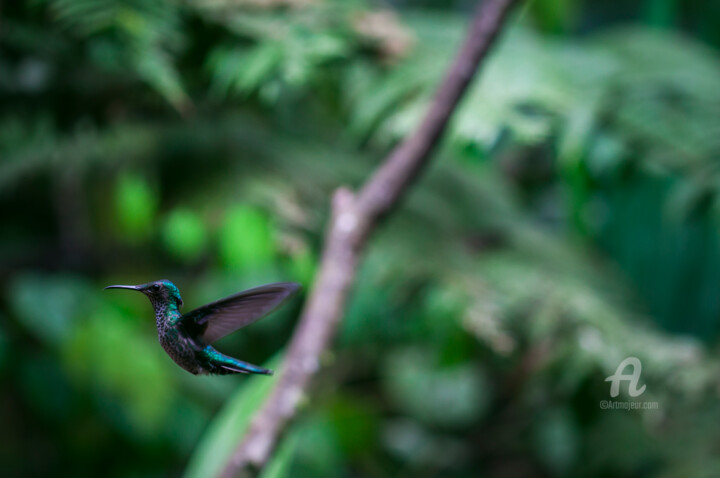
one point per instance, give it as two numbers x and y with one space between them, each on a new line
187 337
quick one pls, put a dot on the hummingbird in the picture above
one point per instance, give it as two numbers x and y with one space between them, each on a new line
187 337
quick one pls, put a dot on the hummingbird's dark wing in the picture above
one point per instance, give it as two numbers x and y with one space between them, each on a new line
220 318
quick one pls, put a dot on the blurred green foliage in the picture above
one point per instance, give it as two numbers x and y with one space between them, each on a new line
184 234
136 207
570 220
228 427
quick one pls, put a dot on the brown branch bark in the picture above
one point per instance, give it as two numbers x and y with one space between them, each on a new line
353 219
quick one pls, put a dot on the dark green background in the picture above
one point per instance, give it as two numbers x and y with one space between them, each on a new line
569 220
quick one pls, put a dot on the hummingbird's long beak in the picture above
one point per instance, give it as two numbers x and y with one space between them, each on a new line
132 287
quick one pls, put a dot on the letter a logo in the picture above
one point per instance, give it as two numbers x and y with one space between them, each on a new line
633 378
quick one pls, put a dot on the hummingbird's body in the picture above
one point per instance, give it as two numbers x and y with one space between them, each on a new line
187 338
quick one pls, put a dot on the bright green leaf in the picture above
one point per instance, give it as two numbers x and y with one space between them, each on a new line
184 234
136 205
229 426
246 239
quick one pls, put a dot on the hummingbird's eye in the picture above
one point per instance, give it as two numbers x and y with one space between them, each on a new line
155 288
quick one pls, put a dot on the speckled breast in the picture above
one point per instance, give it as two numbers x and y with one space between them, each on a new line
180 350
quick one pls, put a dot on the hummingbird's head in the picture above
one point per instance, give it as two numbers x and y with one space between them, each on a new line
159 292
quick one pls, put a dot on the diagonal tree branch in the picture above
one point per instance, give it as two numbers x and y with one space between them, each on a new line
354 217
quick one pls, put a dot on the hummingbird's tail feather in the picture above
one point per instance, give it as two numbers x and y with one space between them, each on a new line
220 364
243 367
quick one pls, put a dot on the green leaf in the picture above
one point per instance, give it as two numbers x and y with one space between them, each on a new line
136 206
155 67
184 234
556 439
452 396
116 357
236 70
49 305
246 239
229 426
303 266
281 462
